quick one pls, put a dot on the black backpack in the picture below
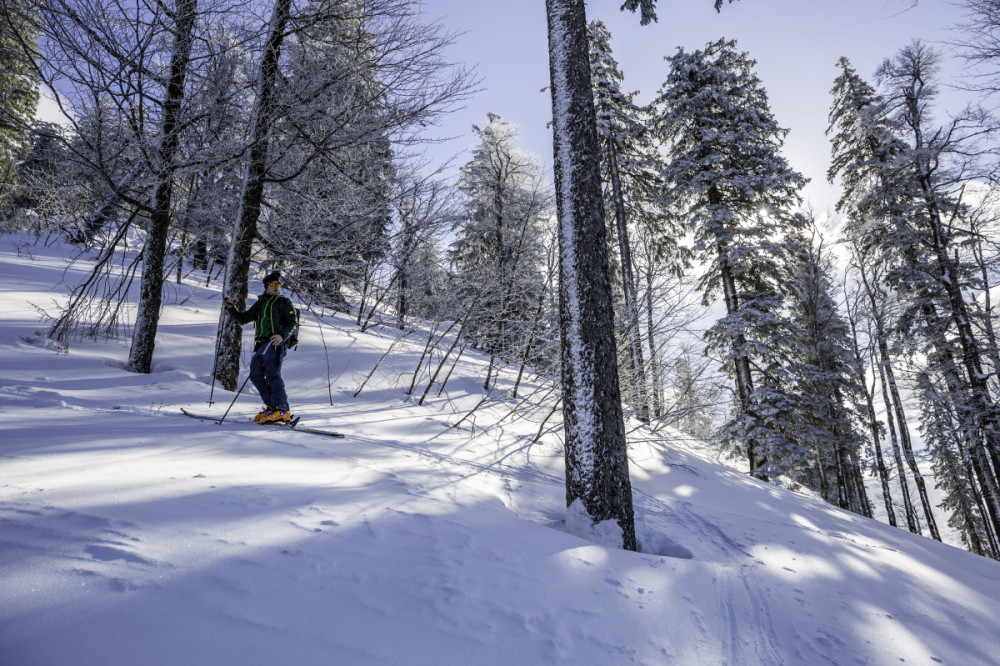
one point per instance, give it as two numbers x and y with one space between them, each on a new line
293 340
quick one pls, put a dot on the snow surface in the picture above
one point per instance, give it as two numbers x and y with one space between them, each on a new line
131 534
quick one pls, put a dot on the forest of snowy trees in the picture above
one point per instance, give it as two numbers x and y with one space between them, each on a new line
233 139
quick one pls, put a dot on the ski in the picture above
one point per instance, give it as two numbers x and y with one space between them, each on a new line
292 425
199 416
314 431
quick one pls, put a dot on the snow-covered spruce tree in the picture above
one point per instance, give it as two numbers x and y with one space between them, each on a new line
944 440
936 168
498 254
902 190
597 475
18 90
726 176
828 417
864 147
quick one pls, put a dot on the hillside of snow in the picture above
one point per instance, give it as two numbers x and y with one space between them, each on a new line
132 534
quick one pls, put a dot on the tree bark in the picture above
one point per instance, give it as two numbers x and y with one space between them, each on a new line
883 473
235 289
881 363
151 286
596 449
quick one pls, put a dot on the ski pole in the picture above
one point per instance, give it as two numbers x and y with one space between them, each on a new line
263 350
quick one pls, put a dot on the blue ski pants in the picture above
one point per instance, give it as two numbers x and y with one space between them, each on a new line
265 373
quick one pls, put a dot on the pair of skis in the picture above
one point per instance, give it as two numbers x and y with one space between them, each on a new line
290 425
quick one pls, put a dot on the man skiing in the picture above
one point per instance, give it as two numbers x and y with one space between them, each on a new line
274 319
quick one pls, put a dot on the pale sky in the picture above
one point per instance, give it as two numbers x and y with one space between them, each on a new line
796 43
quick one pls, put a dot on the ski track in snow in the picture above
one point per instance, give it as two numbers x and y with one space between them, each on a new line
130 533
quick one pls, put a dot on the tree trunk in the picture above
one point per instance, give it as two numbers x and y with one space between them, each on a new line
628 287
235 289
151 287
904 436
741 363
904 486
883 473
99 217
655 378
596 450
984 408
982 470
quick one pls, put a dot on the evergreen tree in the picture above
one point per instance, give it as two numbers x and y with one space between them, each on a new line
932 172
942 433
901 199
727 178
18 89
828 389
630 165
498 252
864 149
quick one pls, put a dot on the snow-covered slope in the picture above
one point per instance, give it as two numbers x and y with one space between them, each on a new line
131 534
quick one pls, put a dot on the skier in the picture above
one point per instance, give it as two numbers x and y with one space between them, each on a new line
274 319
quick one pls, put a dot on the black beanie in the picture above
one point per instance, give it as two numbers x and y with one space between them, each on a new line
273 276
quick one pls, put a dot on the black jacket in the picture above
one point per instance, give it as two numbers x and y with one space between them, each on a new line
270 314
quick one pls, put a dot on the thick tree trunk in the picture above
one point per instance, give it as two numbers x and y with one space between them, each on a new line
596 450
151 287
235 289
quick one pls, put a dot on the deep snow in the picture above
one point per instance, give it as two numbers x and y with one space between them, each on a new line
131 534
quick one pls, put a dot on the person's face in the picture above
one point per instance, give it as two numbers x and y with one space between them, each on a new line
272 288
